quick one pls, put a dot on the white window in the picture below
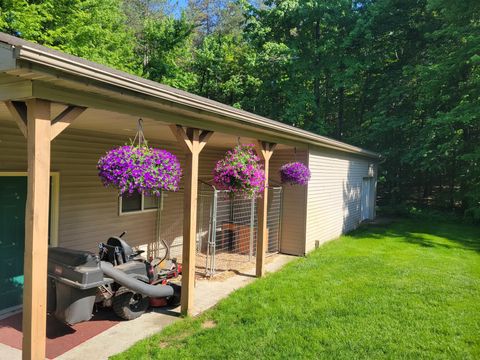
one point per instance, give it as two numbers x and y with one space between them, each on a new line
136 203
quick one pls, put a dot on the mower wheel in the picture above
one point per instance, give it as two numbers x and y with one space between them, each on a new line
129 305
174 300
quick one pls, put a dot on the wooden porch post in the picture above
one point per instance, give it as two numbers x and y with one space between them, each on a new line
193 141
266 150
34 120
36 230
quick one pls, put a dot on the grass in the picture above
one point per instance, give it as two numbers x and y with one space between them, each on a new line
407 290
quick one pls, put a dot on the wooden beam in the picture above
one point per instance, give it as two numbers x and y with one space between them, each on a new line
204 137
35 114
185 136
17 89
18 110
36 230
189 232
142 107
193 141
64 119
181 136
266 150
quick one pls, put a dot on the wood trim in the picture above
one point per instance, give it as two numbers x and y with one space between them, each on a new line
164 113
266 150
15 90
36 230
64 119
13 173
193 141
182 137
189 232
39 135
18 110
54 208
204 137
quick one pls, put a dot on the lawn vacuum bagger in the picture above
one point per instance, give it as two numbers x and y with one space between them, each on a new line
118 277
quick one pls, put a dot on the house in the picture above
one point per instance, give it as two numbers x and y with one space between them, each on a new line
60 113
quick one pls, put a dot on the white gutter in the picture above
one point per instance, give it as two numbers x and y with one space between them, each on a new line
139 85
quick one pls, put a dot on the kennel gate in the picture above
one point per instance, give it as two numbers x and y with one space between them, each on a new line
231 234
226 229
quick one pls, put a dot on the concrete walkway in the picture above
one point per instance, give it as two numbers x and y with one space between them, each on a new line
123 335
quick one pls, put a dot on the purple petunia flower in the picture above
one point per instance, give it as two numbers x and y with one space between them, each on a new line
240 172
140 168
295 173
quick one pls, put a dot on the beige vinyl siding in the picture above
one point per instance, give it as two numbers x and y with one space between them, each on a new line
294 204
89 211
171 216
334 194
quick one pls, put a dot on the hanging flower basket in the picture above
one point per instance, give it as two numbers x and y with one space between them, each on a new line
240 172
295 173
140 168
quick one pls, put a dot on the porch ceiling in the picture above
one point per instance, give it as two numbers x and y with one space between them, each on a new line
125 125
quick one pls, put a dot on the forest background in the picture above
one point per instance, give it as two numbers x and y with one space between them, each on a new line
399 77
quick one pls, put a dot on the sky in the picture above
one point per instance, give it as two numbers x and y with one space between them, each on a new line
177 6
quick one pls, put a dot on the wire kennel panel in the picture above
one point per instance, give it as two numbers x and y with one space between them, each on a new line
274 219
233 243
232 236
168 240
169 229
170 225
226 229
205 224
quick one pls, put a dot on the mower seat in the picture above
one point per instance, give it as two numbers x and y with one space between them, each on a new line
125 249
72 257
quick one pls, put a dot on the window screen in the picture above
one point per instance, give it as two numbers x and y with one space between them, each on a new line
131 202
150 202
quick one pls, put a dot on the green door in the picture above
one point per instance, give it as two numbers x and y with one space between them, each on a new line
13 198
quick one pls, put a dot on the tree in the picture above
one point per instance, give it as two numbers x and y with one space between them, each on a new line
224 65
205 15
91 29
400 77
168 51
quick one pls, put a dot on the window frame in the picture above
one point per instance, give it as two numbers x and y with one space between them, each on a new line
135 212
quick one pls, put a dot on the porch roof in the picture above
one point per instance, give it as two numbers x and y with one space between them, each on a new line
40 72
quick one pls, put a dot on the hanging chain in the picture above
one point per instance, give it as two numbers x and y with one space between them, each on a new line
140 135
295 153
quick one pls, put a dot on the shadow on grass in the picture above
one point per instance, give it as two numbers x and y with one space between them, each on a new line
426 234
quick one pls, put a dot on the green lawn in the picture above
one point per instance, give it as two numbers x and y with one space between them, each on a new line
407 290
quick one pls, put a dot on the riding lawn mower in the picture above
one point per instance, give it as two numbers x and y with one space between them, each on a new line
118 278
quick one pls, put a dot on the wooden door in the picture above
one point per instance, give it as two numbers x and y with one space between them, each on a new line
13 197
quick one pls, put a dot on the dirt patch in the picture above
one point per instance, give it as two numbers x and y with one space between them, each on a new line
228 265
173 340
209 324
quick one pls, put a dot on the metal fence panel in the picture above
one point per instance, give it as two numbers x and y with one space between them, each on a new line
226 228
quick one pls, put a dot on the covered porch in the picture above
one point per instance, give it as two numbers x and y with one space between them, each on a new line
55 124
